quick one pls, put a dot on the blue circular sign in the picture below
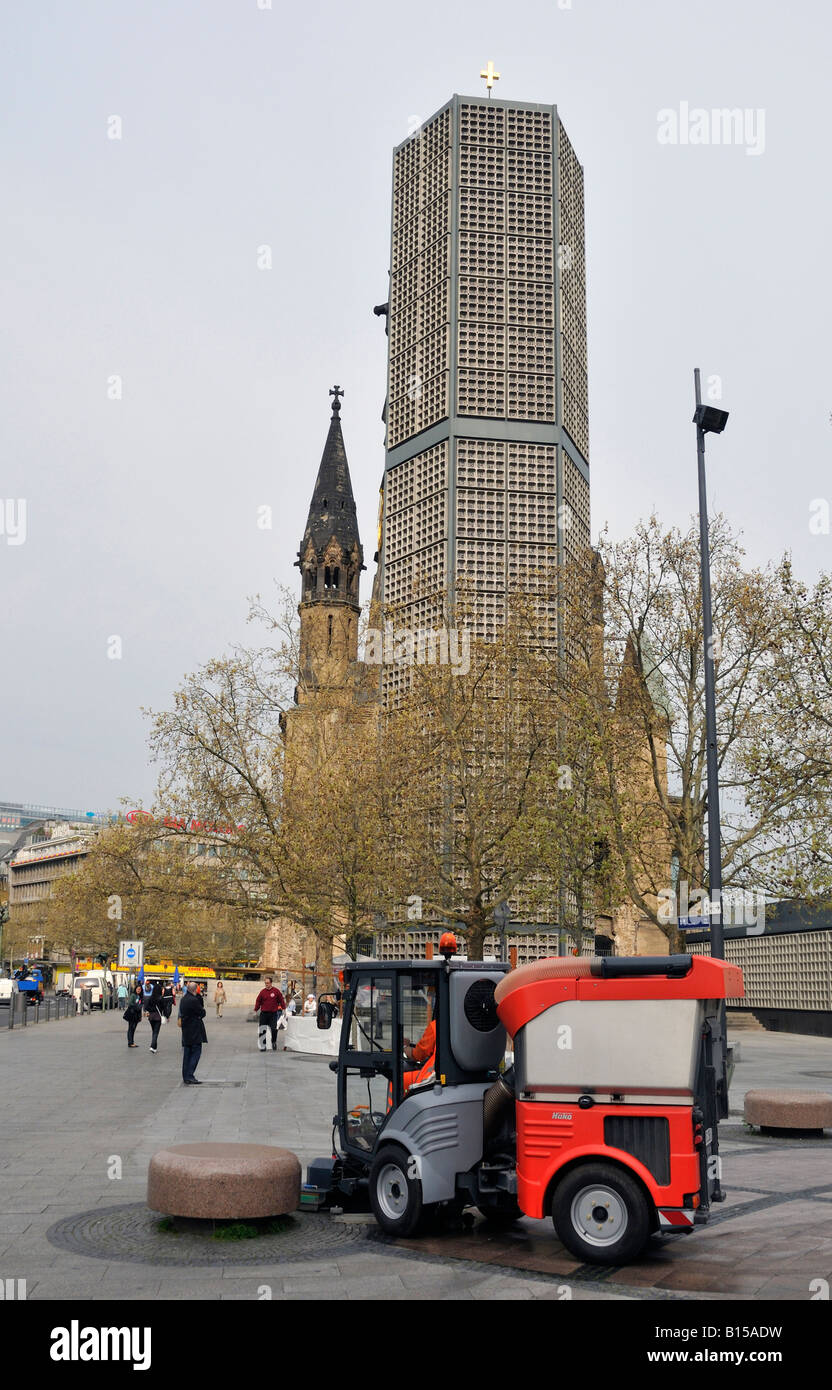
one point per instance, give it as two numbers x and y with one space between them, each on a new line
130 953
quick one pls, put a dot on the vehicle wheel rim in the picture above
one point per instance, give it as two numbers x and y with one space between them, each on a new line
599 1216
391 1191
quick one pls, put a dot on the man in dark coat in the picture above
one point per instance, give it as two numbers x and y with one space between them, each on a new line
191 1014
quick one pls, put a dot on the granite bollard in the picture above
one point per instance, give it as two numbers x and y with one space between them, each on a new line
224 1181
782 1108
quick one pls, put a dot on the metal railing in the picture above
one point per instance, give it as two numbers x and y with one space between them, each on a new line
21 1014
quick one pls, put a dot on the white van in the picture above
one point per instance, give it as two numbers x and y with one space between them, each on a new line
8 988
96 982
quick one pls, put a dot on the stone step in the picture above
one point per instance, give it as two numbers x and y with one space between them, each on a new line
742 1020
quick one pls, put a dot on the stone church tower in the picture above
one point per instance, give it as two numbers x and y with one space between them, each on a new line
331 680
330 560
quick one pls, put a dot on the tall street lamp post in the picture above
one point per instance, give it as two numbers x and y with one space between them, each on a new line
709 420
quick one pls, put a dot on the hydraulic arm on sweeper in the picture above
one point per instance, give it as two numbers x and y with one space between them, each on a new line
607 1121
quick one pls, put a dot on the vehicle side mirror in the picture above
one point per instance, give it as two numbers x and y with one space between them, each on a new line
326 1012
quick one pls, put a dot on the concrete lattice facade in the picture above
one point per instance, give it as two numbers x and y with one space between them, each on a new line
487 416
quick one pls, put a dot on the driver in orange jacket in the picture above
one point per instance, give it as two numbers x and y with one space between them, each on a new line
424 1051
424 1048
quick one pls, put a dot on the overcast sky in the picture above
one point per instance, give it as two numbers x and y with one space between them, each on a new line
244 127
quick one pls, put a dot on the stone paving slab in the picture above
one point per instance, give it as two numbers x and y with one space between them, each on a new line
787 1171
772 1236
14 1223
288 1270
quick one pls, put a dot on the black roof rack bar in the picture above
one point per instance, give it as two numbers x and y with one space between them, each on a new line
631 967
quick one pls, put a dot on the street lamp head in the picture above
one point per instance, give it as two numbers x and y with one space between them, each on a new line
709 419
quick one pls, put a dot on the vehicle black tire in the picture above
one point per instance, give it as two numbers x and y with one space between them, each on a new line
500 1215
601 1214
448 1215
395 1195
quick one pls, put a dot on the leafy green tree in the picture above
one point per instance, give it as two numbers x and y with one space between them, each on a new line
643 707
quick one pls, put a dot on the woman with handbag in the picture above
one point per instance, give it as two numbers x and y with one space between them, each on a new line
155 1014
132 1016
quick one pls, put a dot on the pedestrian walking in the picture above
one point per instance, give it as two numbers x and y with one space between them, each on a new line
270 1003
167 999
153 1010
191 1014
283 1023
122 995
219 997
132 1016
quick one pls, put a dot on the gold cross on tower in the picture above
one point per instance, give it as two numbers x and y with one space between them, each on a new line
490 77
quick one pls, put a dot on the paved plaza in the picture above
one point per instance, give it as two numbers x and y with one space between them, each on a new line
82 1116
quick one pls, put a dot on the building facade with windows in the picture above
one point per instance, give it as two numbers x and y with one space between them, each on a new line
48 852
486 482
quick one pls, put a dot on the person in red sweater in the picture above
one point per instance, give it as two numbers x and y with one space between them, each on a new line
270 1003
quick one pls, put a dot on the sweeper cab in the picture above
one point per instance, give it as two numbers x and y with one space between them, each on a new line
607 1121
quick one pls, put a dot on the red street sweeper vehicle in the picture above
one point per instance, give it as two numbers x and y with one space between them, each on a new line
607 1120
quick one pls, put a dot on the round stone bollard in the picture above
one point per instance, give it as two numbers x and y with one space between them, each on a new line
224 1181
787 1109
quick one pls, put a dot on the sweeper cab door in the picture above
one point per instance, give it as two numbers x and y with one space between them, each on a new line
387 1004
